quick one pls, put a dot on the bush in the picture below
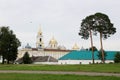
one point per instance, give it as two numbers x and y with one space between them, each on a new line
26 58
110 62
117 57
100 55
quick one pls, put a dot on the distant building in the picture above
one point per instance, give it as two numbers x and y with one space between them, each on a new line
53 49
60 54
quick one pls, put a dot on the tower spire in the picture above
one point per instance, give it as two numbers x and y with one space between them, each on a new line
40 31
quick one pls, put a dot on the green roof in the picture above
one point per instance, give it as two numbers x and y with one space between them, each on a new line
86 55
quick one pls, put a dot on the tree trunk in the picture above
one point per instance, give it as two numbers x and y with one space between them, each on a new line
3 59
8 61
92 47
102 48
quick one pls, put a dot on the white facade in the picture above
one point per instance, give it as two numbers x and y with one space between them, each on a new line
31 53
50 63
81 61
43 52
56 54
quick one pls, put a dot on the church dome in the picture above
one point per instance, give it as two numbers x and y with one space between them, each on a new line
28 46
61 47
83 49
75 47
53 41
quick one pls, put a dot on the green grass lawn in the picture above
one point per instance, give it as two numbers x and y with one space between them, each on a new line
114 68
14 76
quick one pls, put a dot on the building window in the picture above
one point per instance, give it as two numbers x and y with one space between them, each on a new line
40 45
40 39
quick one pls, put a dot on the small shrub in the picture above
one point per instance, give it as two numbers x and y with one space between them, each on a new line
26 58
110 62
117 57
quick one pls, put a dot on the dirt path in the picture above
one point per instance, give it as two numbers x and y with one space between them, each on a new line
62 72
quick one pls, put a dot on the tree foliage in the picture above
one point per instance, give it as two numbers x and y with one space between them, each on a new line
86 27
8 44
26 58
117 57
100 55
103 25
94 48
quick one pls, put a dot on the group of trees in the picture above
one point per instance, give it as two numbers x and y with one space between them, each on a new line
8 45
94 24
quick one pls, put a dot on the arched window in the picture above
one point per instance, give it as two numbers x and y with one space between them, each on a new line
40 46
40 39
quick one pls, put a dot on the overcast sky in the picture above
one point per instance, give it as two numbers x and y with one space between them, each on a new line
58 18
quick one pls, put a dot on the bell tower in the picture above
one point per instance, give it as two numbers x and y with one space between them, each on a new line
39 43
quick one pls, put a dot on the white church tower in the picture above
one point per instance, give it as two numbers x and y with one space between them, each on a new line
39 43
